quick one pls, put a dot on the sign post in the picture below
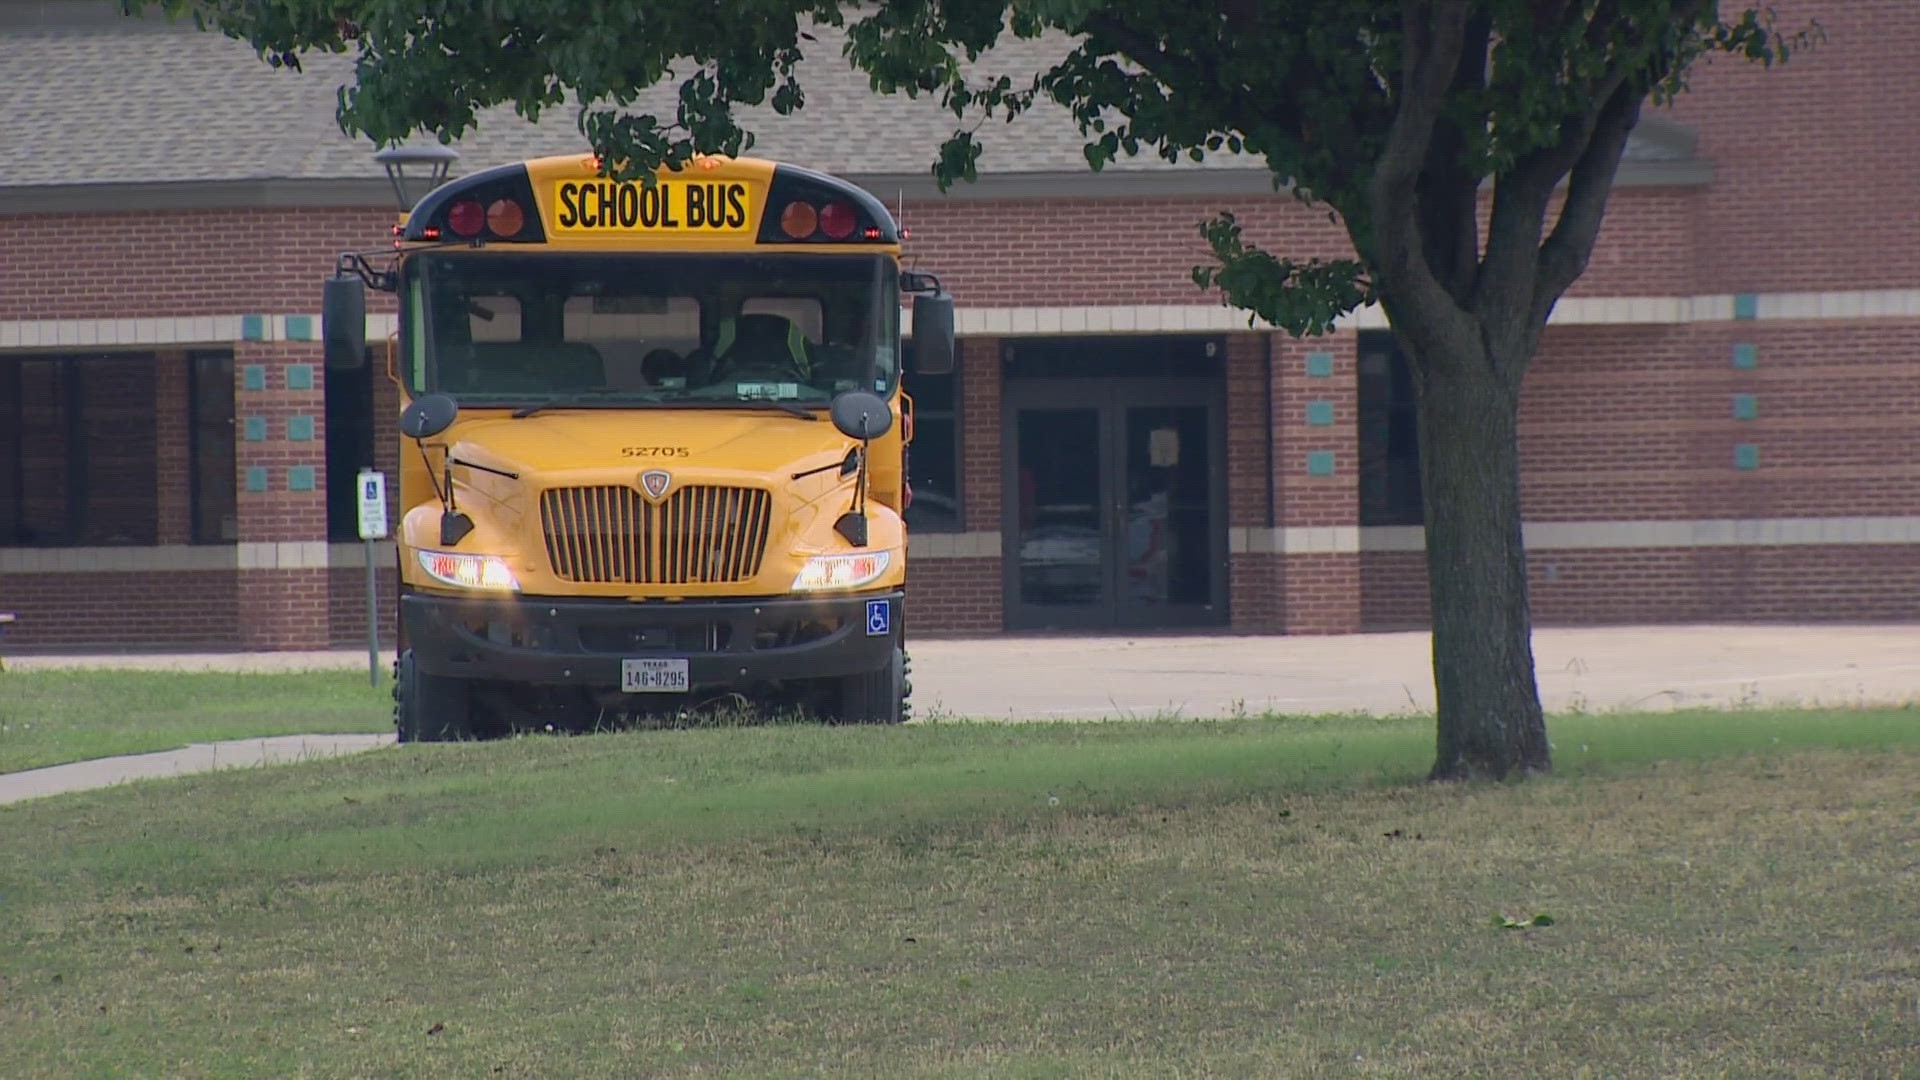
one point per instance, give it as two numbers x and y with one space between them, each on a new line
372 489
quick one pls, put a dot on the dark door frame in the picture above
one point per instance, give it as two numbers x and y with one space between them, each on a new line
1110 398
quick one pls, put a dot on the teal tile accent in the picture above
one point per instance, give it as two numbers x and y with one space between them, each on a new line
253 327
299 376
300 478
1320 463
1746 456
256 478
300 428
299 328
1320 364
1745 406
1746 306
1746 357
254 377
256 428
1320 413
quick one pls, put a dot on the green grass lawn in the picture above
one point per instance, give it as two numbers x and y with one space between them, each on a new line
1732 894
53 717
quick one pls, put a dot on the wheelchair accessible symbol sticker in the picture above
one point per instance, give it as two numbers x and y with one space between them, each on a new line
879 618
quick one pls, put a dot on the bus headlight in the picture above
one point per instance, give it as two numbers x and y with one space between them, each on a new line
469 571
848 571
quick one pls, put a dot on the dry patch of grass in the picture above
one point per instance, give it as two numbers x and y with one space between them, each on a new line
1733 915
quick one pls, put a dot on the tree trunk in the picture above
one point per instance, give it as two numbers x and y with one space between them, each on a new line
1490 720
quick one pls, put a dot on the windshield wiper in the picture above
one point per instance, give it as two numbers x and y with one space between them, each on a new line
568 401
787 407
571 400
557 403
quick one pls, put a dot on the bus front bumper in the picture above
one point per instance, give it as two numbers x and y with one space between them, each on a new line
653 645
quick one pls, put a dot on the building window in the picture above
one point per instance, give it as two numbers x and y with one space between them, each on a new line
83 456
216 518
1389 435
933 461
349 412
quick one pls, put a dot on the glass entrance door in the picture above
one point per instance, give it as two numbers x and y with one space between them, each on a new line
1060 566
1114 505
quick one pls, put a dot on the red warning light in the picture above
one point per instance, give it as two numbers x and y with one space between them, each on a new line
465 217
838 220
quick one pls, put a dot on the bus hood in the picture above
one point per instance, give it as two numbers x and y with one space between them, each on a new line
699 441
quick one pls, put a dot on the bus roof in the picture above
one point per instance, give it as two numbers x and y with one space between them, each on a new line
711 203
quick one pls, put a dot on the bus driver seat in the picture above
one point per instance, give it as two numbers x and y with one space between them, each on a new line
765 346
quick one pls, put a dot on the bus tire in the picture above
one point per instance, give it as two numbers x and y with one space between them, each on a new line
429 708
879 697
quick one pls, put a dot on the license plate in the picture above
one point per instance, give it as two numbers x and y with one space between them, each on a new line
653 676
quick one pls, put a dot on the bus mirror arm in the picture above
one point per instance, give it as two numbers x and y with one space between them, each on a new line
454 525
355 264
427 416
852 525
864 416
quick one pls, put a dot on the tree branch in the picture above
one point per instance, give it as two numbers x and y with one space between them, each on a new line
1449 192
1434 34
1563 258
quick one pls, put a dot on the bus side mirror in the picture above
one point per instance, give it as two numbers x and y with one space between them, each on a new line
933 346
427 416
343 322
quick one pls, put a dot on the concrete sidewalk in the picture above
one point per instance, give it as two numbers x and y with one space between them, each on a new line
200 757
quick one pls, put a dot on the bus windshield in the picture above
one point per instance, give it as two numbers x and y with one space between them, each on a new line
633 330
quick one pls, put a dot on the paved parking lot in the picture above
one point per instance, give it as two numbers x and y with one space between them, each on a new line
1644 668
1013 678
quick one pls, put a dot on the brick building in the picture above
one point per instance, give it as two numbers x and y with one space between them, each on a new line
1722 423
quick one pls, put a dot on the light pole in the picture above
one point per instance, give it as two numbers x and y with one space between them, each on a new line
430 165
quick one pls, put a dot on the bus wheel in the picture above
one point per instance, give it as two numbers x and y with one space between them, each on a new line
876 698
429 708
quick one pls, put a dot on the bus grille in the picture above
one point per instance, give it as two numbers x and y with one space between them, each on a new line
697 535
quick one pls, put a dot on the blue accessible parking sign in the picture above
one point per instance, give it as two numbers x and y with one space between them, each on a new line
879 618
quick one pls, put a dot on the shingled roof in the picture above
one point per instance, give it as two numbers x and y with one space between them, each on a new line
98 101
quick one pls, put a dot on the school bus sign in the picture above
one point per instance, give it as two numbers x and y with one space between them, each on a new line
599 206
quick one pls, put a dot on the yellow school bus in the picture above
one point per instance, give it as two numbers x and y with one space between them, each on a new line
658 443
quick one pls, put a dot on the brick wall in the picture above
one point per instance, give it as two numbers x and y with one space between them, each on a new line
1809 583
980 433
1814 159
1254 597
1639 422
953 596
280 512
1316 476
178 262
988 252
104 610
347 604
287 609
1020 253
